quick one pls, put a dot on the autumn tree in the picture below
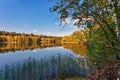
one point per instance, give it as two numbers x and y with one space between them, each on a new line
105 13
102 17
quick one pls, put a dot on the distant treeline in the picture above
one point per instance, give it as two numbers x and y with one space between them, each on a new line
77 37
13 37
11 41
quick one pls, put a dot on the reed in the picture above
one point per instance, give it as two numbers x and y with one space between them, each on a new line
53 67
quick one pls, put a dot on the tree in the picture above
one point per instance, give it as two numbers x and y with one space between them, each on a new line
102 17
105 13
85 11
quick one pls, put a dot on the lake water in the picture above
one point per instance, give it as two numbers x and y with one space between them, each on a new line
43 63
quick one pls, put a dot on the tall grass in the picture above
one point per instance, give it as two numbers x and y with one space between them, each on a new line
55 67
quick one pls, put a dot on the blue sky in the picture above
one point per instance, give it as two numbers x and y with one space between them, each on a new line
31 16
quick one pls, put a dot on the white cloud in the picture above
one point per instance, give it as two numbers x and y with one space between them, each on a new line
76 20
49 33
3 26
69 22
46 33
35 31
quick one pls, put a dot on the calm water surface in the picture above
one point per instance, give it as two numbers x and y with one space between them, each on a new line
43 63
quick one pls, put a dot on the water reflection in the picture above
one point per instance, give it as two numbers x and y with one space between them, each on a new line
77 48
12 47
42 62
53 68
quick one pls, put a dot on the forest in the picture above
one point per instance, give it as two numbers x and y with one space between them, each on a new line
102 19
97 41
28 39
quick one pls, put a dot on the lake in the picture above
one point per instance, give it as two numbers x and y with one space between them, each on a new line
43 62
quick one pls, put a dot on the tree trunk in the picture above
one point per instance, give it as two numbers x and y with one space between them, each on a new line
116 17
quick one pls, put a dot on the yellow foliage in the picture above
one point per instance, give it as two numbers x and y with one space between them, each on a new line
76 37
77 48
